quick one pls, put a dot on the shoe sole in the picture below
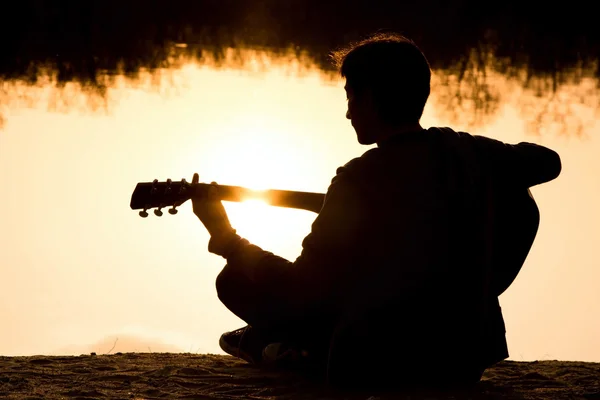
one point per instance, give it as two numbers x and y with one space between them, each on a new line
235 351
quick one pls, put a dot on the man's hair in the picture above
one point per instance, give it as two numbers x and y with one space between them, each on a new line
394 69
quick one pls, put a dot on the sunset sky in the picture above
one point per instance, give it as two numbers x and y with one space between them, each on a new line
79 268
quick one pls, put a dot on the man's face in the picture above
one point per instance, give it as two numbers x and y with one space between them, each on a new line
361 114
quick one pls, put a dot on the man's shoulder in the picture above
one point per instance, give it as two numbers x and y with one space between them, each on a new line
357 170
374 159
448 133
460 137
358 165
463 143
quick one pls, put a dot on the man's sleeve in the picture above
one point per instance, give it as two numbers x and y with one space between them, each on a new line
524 164
328 250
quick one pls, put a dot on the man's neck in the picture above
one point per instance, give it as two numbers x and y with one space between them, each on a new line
389 131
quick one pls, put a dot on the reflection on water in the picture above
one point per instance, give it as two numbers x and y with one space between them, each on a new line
471 93
99 96
545 51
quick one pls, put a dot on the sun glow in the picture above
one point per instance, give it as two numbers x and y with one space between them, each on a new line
268 226
257 203
255 156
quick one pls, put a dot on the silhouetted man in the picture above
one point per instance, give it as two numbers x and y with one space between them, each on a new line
398 280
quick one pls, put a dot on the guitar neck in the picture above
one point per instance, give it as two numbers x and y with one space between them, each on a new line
280 198
158 195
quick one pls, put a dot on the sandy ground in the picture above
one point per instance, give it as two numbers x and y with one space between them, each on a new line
192 376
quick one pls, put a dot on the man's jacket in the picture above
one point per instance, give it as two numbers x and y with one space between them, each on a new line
400 250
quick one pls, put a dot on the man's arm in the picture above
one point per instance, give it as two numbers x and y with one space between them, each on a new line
524 164
328 251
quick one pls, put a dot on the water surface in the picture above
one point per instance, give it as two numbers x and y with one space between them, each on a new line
79 269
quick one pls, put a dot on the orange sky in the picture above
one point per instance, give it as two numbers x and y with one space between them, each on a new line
79 268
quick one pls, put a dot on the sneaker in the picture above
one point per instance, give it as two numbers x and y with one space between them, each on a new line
241 344
244 343
279 352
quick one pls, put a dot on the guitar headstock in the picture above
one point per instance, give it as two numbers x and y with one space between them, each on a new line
158 195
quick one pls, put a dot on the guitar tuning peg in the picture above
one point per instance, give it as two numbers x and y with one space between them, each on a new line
173 211
158 212
143 213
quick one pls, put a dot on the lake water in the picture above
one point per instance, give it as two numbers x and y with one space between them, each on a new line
82 272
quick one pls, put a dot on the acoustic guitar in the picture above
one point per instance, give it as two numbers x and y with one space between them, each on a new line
515 217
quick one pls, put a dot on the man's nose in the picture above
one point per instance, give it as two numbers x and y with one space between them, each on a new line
348 114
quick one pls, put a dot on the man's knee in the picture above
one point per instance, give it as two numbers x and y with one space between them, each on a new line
235 292
224 285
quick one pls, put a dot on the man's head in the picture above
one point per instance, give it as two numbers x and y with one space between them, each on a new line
387 83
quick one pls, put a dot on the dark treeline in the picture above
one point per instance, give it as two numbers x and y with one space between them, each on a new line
81 38
85 41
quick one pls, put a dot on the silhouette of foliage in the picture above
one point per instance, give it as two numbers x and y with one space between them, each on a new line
467 43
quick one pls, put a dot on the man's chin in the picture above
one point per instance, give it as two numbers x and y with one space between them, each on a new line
365 140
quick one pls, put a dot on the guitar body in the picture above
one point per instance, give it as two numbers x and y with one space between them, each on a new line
516 219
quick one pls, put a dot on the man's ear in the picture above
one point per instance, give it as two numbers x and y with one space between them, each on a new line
368 96
368 101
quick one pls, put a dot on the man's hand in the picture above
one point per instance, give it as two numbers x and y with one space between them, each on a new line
211 212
